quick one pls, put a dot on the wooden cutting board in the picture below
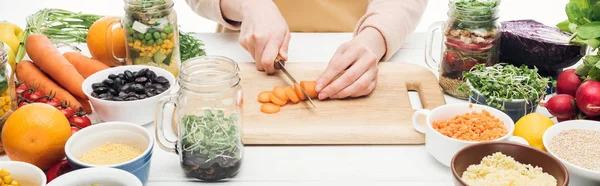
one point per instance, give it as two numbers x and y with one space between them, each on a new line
384 117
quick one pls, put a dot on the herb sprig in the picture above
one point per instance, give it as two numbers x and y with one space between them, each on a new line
190 46
504 82
212 135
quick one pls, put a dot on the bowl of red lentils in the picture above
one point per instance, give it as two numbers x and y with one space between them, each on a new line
576 143
122 145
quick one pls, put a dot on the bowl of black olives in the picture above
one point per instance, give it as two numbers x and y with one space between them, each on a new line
128 93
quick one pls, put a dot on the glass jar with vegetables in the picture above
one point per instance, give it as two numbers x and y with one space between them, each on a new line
152 34
207 118
7 85
471 36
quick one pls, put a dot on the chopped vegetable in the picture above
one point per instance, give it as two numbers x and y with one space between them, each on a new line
280 93
270 108
291 93
276 100
504 82
299 93
263 97
310 88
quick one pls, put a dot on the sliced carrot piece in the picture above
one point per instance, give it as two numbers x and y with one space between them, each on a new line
263 97
270 108
309 87
299 93
280 93
289 91
276 100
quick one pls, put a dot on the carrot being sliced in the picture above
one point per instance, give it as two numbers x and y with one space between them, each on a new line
280 93
299 93
289 91
276 100
270 108
263 97
309 87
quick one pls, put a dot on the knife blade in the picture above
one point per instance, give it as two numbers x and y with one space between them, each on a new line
279 62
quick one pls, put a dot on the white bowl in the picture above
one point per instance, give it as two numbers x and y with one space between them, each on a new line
138 111
566 125
102 176
26 174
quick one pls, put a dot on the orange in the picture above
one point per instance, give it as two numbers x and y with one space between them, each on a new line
99 40
36 133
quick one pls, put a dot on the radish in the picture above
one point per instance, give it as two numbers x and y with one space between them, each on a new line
568 82
561 106
587 98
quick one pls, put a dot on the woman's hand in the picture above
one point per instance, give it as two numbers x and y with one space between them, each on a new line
359 58
264 33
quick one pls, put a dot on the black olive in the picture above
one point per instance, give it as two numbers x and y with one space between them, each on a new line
126 87
97 85
113 92
104 96
150 93
138 87
157 86
101 90
121 75
160 90
148 84
108 82
151 75
94 95
167 85
112 76
117 99
131 98
129 76
142 96
123 95
142 72
161 80
132 94
118 84
141 79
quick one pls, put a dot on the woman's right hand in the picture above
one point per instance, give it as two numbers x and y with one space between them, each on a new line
264 33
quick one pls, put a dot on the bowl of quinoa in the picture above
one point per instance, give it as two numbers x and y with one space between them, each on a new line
576 143
503 163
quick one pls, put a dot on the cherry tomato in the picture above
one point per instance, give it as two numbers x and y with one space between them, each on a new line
451 57
42 100
468 64
54 102
74 130
80 120
58 169
21 88
26 93
23 103
34 96
67 111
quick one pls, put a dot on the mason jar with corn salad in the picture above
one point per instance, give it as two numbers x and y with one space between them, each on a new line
152 34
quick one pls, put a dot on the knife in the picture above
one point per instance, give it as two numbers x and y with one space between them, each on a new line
279 60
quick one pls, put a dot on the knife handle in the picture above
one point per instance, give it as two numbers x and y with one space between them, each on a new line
280 59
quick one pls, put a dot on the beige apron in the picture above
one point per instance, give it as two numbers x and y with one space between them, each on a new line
319 15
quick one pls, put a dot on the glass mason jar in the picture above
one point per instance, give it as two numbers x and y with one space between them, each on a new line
7 85
208 110
471 36
152 34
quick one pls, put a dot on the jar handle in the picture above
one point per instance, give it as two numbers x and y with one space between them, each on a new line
112 25
429 59
159 127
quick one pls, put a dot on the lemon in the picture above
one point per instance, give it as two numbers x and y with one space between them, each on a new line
532 127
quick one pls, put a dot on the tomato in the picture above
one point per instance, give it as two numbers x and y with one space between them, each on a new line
42 100
34 96
26 93
58 169
80 120
468 64
67 111
23 103
54 102
451 57
21 88
74 130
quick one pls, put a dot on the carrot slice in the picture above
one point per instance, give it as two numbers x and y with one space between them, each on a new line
280 93
270 108
263 97
289 91
276 100
309 87
299 93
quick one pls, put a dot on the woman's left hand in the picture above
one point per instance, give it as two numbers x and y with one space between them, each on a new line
355 62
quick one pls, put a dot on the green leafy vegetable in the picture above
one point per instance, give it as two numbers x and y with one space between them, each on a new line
473 14
564 26
212 135
504 82
590 30
190 46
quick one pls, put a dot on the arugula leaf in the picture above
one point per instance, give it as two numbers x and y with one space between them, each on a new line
589 31
564 26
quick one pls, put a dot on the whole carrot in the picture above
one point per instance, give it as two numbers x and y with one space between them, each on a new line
32 76
52 62
85 66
